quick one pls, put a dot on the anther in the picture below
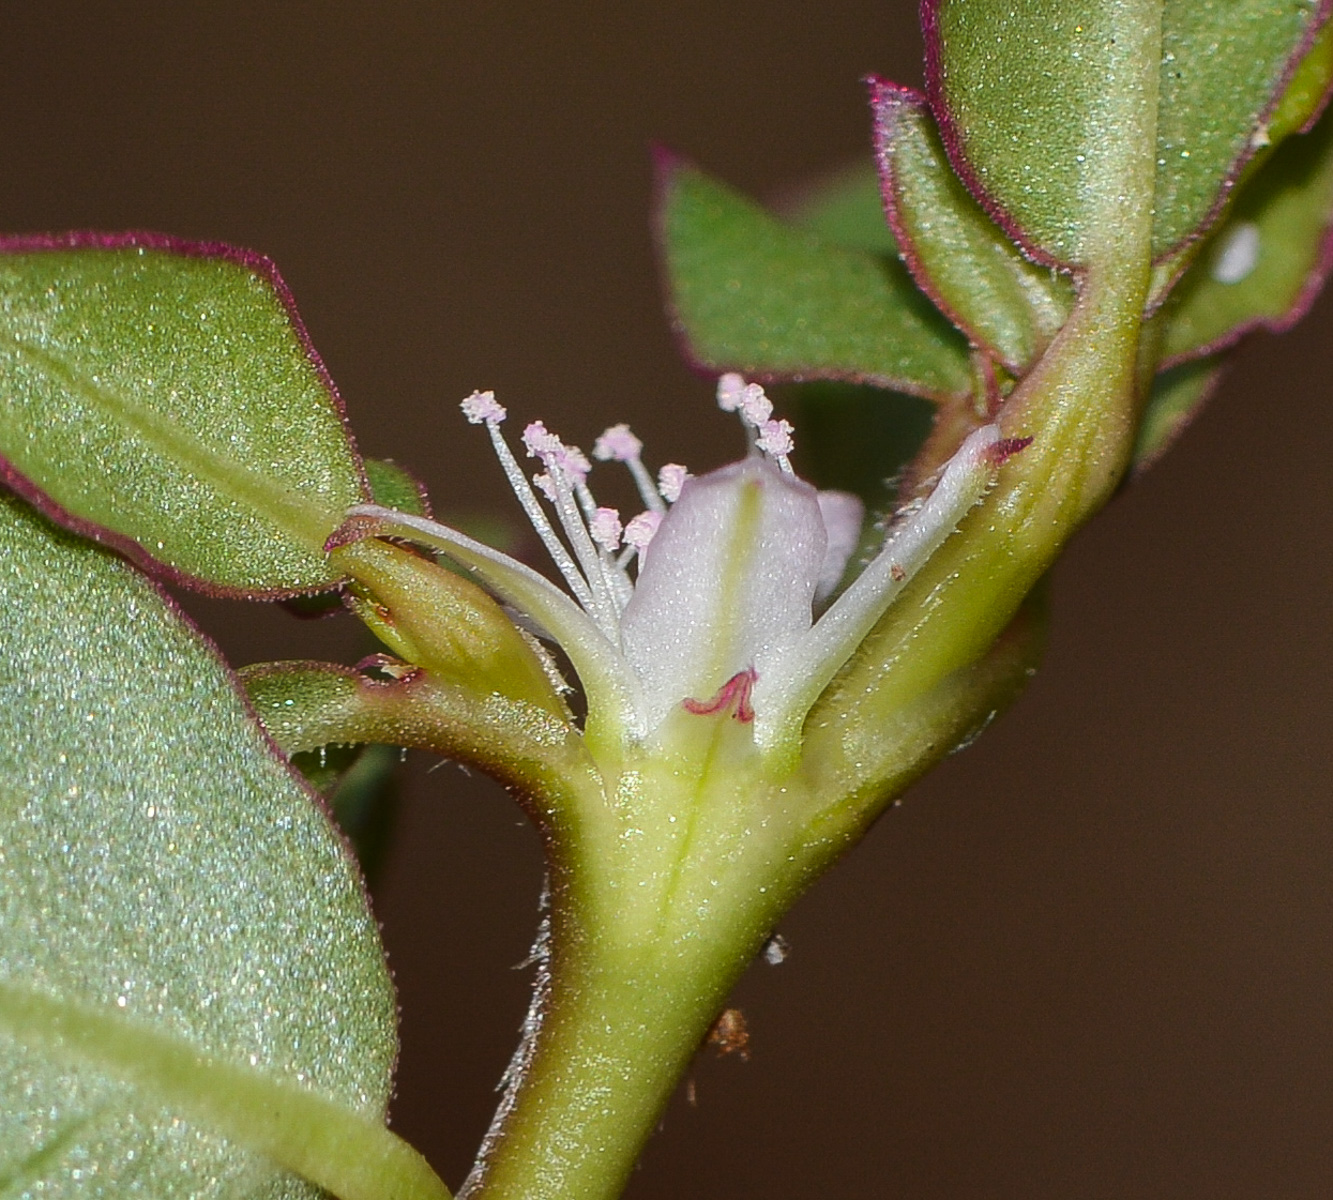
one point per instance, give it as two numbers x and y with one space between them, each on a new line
606 530
482 406
670 479
729 389
617 444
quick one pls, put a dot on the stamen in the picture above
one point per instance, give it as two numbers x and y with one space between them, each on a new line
481 407
575 462
619 444
606 529
755 406
540 442
670 479
729 389
566 470
756 412
639 532
775 439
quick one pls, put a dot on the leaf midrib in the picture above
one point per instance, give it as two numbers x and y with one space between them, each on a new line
307 522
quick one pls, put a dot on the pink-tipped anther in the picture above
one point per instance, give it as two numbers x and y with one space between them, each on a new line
670 479
541 443
482 407
775 438
546 446
755 405
640 530
605 528
729 389
617 444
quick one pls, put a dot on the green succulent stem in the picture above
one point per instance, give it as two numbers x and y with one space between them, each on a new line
697 845
665 896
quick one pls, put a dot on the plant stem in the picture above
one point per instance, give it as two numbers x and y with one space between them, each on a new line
617 1033
657 909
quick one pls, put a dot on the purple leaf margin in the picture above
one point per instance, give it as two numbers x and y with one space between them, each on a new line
953 141
266 269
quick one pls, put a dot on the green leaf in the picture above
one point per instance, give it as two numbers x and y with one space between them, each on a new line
180 926
1265 262
291 1126
1176 397
396 487
162 396
1003 301
755 295
1223 65
1027 93
847 209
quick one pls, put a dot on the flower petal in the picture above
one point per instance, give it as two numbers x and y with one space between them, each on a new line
783 698
843 515
728 585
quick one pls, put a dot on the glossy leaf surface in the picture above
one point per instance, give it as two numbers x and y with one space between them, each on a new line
165 880
755 295
958 255
163 397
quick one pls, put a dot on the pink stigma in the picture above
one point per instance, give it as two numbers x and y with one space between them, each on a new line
734 695
1002 451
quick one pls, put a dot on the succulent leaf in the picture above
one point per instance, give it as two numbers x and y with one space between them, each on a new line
161 396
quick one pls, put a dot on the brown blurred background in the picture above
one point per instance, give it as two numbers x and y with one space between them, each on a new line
1090 957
